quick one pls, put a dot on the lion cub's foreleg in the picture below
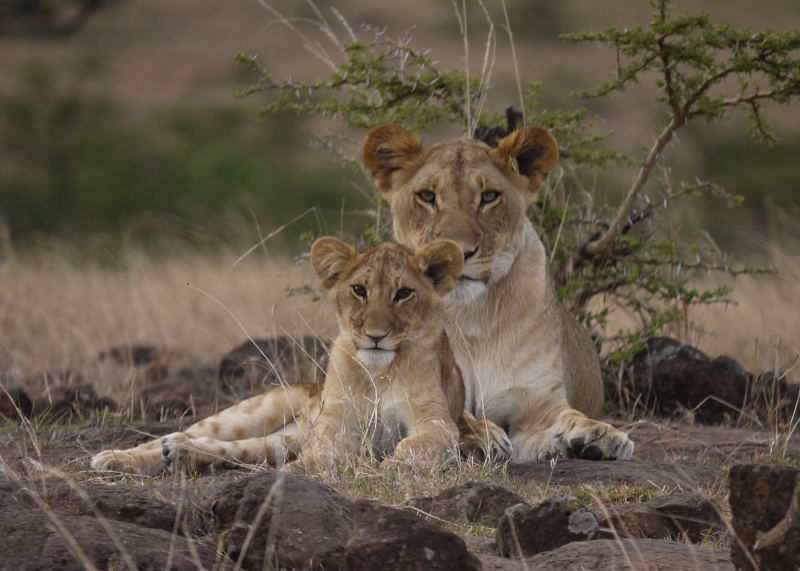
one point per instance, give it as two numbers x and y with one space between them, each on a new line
254 418
181 452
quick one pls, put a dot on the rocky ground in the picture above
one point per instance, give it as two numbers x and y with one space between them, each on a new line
694 497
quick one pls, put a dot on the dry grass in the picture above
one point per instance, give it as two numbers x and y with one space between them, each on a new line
59 307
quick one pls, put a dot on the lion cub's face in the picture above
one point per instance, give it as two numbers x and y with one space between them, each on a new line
387 296
462 190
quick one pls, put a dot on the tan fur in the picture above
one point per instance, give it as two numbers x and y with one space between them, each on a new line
527 363
392 381
409 392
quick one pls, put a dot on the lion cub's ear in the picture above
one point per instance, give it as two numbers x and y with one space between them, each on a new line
387 149
330 258
442 261
530 151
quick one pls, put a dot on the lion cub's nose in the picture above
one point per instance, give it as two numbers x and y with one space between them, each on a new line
375 337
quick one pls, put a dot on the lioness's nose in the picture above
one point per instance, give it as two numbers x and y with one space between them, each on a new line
469 253
374 336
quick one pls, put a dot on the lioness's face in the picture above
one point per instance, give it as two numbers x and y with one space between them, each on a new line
388 295
462 190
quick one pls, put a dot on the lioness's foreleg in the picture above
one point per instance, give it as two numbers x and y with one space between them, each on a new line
541 427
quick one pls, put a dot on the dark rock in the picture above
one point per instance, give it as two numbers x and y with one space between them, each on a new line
689 475
631 555
765 502
526 530
671 377
37 539
181 393
689 515
135 355
392 540
473 502
282 520
15 404
70 403
257 364
140 505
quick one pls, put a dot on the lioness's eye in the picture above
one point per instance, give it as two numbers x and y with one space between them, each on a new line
427 196
360 291
489 196
403 293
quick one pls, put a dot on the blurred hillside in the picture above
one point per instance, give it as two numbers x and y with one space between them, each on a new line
129 123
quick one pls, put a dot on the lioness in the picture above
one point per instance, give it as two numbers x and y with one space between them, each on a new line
527 364
391 377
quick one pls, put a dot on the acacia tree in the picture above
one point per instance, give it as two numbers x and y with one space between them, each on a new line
702 72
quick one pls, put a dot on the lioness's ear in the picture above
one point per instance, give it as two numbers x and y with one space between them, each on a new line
531 152
387 149
442 262
330 257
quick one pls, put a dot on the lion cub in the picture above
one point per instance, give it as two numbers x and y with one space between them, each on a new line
392 375
391 381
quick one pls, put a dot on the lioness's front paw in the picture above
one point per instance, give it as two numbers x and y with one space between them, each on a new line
598 441
174 450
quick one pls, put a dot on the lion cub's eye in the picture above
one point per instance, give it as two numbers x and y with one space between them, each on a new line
489 197
426 196
403 293
360 291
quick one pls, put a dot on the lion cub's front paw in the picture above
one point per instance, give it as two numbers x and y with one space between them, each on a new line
496 445
175 450
484 439
310 463
110 461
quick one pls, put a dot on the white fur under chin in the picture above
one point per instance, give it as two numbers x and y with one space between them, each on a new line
373 359
466 291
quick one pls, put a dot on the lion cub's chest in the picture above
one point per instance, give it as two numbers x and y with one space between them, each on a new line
386 409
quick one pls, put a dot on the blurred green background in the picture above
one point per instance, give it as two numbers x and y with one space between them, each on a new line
116 118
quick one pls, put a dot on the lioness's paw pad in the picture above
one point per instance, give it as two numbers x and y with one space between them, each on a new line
607 444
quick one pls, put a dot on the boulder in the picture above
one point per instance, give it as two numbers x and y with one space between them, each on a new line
70 403
765 503
15 404
260 363
474 502
35 538
525 531
185 391
690 515
671 376
390 539
631 555
280 520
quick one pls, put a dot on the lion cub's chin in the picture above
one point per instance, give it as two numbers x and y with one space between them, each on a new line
466 291
375 359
